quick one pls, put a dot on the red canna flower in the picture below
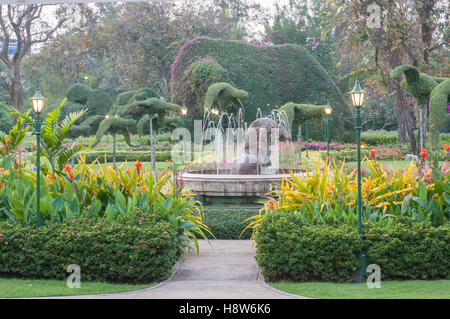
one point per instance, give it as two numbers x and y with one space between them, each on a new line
424 153
372 154
68 169
447 147
1 185
128 171
138 166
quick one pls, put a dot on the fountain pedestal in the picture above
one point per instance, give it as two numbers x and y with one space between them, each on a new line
231 189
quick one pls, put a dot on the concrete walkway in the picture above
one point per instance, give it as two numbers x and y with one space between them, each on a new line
227 270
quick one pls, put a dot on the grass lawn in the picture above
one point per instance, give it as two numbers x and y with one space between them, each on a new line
412 289
26 288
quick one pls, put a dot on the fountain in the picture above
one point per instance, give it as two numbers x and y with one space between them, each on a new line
246 161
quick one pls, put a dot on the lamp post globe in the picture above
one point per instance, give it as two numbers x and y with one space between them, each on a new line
357 95
38 101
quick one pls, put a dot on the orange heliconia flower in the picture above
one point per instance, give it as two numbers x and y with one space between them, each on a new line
424 153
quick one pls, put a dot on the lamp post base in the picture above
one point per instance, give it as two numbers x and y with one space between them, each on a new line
359 276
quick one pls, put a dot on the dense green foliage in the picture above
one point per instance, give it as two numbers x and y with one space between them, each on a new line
115 125
438 110
124 97
289 249
6 120
298 114
417 84
88 127
78 93
228 223
170 123
409 251
150 106
422 87
133 250
271 75
227 97
99 102
126 156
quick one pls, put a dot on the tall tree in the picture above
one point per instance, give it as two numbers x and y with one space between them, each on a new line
26 25
398 39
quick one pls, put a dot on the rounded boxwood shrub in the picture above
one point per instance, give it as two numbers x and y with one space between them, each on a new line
228 223
126 251
78 93
99 102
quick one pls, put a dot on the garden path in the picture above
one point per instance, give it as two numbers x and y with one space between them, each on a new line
225 270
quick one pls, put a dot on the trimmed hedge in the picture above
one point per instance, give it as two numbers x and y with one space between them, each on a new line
228 223
289 250
123 156
119 252
410 252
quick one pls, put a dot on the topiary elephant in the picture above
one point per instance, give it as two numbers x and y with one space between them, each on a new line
420 86
115 125
225 95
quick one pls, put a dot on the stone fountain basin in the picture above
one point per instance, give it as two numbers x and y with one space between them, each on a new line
217 185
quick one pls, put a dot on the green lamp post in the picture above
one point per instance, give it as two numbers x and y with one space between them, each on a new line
38 101
184 113
358 98
328 110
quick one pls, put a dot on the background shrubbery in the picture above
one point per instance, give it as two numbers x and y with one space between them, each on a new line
122 252
122 156
287 249
228 223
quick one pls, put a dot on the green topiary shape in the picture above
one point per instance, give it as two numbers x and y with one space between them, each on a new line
272 75
438 110
298 114
78 93
201 76
143 125
419 85
150 106
99 102
124 97
93 122
115 125
143 94
225 95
